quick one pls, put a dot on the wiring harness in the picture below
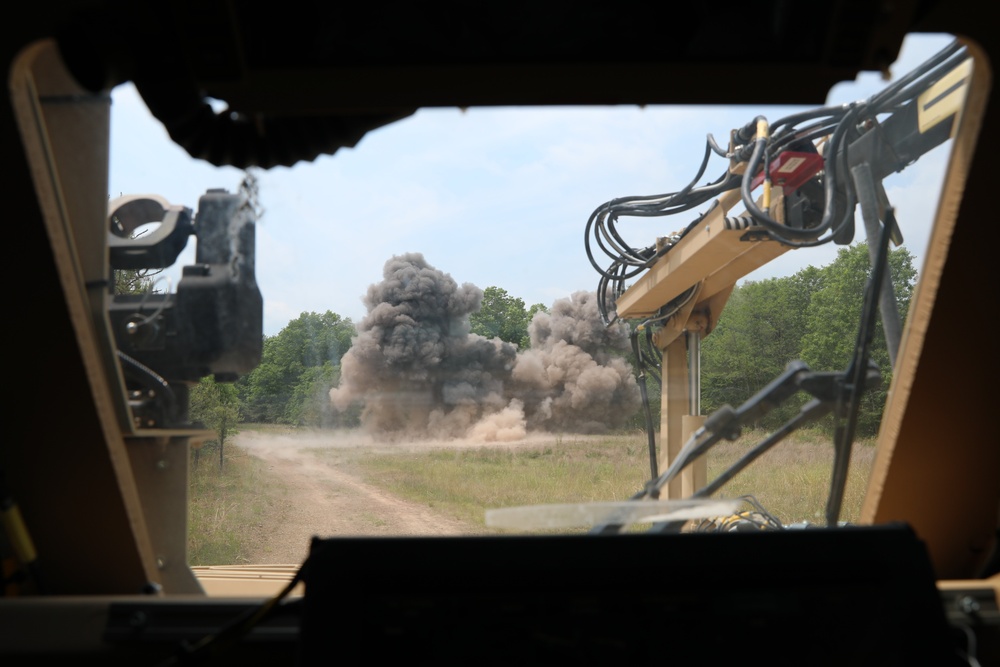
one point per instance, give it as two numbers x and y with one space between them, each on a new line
826 215
753 519
850 148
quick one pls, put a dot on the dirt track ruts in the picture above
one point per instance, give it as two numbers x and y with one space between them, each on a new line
326 499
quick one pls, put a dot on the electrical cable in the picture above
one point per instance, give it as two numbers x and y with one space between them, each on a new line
640 377
780 231
838 125
215 644
756 518
849 118
856 374
907 85
148 378
968 656
24 568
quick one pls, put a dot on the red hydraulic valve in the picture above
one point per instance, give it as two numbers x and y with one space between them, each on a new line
791 169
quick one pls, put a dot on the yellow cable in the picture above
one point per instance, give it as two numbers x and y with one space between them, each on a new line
18 535
762 135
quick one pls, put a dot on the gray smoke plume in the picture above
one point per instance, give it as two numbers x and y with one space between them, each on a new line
418 371
572 377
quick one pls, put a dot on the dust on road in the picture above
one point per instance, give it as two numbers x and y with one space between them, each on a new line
327 498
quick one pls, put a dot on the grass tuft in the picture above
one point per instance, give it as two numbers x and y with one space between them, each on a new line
228 509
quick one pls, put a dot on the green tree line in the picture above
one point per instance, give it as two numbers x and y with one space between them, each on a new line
813 316
298 367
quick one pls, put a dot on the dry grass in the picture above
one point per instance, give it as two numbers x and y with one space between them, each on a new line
228 508
791 481
467 482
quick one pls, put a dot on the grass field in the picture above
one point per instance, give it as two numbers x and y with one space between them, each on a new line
229 508
791 481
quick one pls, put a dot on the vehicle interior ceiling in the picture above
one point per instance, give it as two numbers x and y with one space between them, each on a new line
309 79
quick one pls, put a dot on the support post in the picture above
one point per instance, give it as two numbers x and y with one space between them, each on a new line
673 406
680 407
695 476
868 198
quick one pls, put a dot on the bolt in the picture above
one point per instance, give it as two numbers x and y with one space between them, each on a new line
162 464
968 605
151 588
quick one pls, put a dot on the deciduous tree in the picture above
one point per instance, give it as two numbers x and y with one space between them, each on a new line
834 316
217 406
814 316
503 316
298 368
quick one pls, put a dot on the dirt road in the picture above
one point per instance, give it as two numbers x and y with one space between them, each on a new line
326 499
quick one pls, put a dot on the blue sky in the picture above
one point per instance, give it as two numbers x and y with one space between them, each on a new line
492 196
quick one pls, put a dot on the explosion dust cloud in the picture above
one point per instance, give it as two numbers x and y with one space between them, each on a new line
416 369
